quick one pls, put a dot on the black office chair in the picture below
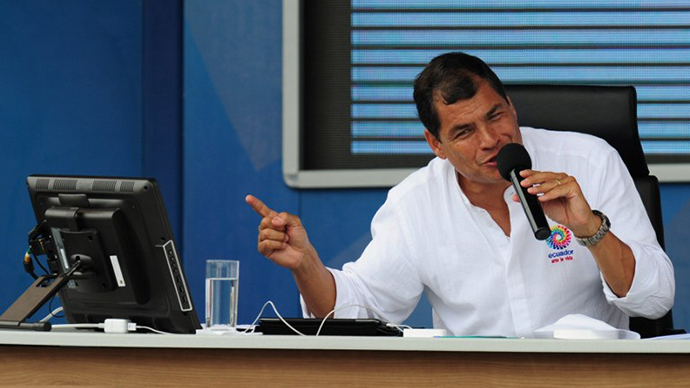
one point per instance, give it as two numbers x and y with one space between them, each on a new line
608 112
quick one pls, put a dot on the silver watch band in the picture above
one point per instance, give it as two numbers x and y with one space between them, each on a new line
603 229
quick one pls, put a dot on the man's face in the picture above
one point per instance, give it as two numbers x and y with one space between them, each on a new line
472 132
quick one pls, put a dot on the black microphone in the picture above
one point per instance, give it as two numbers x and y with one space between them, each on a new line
512 159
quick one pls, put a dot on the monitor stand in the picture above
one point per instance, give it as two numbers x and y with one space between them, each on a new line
32 299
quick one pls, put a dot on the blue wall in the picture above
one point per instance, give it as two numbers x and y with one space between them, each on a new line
70 103
89 87
232 132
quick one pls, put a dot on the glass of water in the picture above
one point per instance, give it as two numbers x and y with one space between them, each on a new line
222 281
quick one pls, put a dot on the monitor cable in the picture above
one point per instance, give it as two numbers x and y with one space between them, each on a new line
112 326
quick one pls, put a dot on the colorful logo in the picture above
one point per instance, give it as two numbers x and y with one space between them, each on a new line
560 237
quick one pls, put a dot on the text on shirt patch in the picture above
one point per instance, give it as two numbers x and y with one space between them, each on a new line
559 240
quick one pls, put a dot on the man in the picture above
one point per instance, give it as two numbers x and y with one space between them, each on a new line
455 229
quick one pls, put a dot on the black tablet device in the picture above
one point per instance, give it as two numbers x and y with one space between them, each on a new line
332 326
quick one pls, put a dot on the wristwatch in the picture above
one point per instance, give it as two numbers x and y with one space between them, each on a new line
603 229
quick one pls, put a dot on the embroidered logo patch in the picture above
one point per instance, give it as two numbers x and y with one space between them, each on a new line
560 237
559 240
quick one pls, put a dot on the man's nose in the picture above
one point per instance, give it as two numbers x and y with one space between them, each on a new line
488 137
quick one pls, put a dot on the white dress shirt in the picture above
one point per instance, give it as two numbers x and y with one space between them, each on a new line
427 236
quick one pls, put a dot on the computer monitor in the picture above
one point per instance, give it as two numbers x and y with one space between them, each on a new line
118 232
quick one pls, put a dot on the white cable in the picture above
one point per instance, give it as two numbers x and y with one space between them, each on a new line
253 325
78 326
155 331
133 327
399 327
118 326
51 314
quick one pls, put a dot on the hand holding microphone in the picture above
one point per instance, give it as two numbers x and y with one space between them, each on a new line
560 195
511 160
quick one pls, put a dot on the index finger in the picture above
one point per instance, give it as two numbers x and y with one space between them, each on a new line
258 206
533 177
527 172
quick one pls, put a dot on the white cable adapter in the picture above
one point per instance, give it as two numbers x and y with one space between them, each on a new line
120 326
424 333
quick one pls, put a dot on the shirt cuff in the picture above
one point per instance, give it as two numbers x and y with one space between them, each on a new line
649 295
345 295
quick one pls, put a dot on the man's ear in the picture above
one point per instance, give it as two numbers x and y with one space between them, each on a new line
434 144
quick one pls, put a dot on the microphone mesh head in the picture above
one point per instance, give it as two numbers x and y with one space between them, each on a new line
512 156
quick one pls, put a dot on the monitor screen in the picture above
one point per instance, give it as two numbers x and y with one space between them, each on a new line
117 229
349 119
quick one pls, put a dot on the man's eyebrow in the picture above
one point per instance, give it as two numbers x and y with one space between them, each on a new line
494 109
463 126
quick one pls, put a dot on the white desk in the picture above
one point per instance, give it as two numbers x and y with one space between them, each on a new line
68 358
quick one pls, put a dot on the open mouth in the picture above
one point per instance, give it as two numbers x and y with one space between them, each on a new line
491 161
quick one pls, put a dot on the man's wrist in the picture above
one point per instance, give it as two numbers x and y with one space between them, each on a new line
307 263
592 239
590 229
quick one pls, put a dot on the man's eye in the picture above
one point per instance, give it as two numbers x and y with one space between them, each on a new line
461 134
495 116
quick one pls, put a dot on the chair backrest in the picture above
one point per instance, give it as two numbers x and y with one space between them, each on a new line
608 112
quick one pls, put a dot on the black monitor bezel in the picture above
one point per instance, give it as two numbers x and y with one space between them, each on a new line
160 297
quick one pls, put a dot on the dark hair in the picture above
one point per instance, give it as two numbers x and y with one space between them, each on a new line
455 76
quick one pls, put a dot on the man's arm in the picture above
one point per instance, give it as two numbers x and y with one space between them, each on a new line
563 201
283 240
616 262
614 258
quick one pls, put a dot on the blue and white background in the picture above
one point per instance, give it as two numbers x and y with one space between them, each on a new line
189 92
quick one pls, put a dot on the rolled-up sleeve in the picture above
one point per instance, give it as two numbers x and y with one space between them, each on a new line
346 295
653 288
652 291
383 283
